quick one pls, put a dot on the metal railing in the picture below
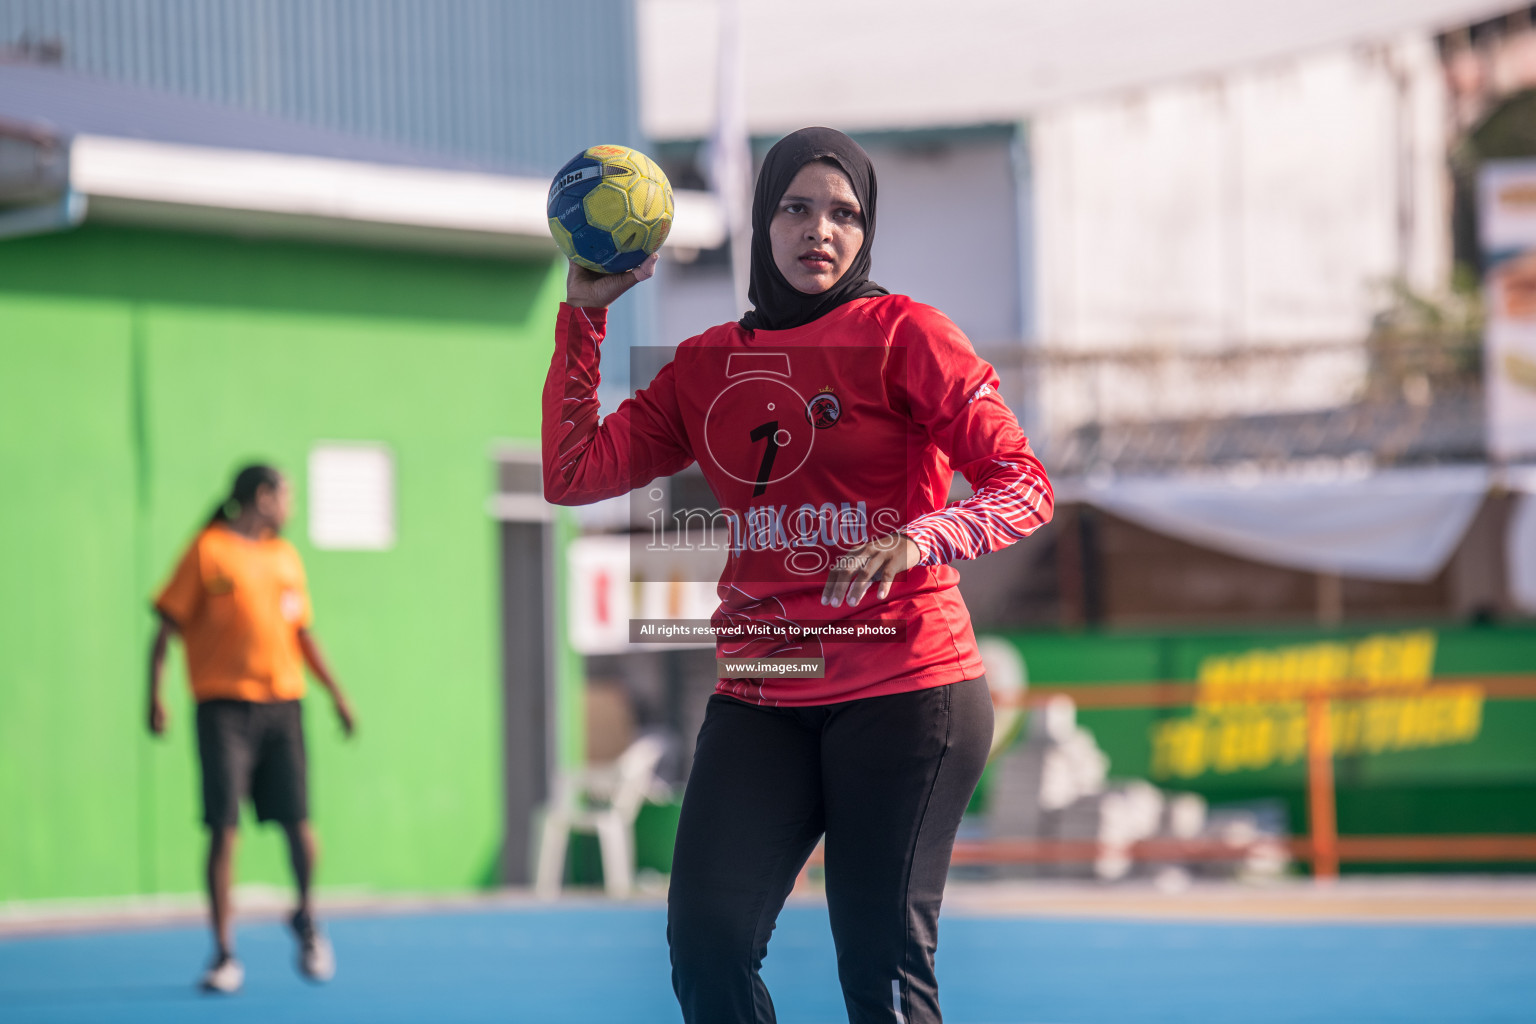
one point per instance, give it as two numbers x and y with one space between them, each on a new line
1388 400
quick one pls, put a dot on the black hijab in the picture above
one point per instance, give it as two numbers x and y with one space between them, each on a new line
778 305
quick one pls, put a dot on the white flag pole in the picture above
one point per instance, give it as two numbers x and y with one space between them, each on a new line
730 149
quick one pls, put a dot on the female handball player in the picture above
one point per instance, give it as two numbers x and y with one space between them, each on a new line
828 422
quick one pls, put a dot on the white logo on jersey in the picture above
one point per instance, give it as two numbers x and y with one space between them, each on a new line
291 605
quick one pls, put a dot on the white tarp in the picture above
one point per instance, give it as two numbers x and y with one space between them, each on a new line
1399 524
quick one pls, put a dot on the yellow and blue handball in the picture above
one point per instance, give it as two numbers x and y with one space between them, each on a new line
609 208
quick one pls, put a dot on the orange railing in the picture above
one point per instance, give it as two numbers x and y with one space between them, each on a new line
1323 846
1175 694
1443 849
1375 849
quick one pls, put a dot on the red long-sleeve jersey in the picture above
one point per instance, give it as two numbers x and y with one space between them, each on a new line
815 440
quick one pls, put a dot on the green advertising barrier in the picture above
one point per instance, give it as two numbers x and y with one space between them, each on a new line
1426 741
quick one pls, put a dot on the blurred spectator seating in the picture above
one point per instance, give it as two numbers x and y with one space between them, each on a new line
1054 787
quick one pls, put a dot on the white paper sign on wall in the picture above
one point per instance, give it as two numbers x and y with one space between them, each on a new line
604 595
351 497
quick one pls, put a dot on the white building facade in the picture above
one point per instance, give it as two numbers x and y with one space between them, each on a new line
1256 187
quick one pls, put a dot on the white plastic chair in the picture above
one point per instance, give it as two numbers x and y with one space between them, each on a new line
602 800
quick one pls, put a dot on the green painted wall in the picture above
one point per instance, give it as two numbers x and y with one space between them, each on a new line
138 369
69 608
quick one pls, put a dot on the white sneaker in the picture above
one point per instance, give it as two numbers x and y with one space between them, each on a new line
226 976
317 960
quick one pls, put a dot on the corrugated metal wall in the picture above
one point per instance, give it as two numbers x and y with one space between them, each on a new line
514 85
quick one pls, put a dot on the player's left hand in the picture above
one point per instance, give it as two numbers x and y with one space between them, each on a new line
881 559
157 716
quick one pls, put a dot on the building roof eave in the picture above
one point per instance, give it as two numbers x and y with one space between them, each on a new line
328 199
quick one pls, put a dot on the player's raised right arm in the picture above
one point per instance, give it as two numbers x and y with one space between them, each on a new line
587 458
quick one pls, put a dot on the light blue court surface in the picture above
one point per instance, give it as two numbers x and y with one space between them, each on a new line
609 966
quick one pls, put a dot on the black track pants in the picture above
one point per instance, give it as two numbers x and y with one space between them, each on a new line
886 779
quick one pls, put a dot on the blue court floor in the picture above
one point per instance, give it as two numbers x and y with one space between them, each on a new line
605 965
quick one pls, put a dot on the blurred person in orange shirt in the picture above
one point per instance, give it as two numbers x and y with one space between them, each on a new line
239 602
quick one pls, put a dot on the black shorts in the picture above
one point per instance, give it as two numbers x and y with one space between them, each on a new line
252 749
